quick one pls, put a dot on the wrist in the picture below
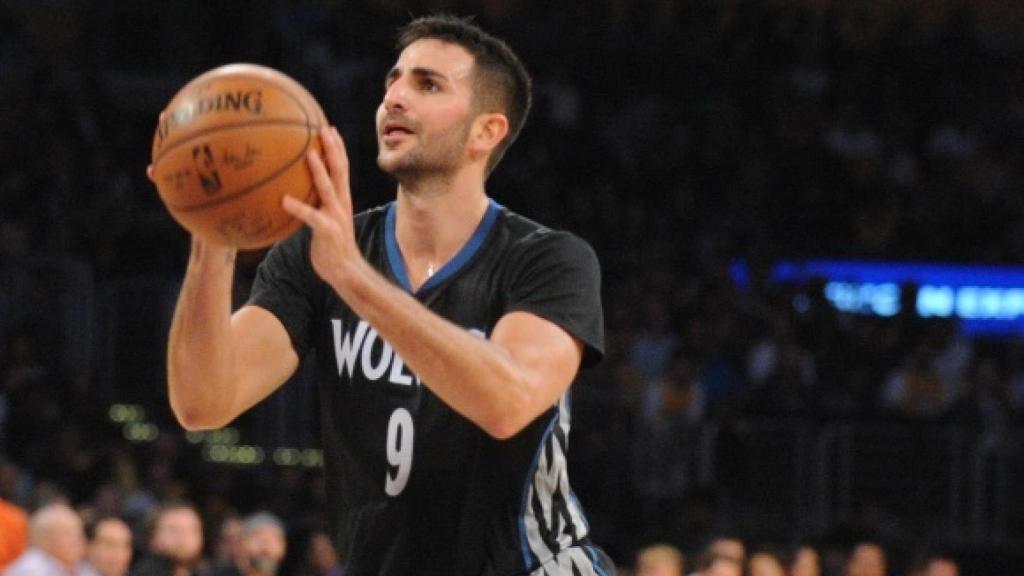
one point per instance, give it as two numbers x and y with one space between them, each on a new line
210 255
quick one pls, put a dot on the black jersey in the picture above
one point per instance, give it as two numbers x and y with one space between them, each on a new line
414 487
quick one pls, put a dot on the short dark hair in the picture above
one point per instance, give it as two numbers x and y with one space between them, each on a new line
501 82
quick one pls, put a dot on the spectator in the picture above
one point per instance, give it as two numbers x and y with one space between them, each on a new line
110 547
322 557
660 560
941 566
57 542
765 563
229 542
13 532
175 542
867 559
805 561
263 547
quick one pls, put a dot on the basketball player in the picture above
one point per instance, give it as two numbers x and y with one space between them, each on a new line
447 330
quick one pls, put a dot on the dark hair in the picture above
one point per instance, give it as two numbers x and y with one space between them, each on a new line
500 79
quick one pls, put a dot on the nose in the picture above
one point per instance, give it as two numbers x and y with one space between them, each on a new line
395 96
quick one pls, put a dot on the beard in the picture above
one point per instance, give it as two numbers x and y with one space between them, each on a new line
436 155
263 565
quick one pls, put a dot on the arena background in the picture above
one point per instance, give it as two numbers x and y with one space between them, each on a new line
756 178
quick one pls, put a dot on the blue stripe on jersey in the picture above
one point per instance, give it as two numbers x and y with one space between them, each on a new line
594 560
524 543
454 265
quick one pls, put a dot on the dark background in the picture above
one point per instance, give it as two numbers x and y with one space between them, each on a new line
676 137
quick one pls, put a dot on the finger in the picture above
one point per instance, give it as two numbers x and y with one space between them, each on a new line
297 208
322 181
337 163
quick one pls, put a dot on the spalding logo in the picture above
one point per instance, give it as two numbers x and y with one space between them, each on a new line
250 101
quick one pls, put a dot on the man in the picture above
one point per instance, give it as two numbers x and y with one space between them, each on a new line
57 545
660 560
321 556
175 542
447 329
110 547
867 559
263 546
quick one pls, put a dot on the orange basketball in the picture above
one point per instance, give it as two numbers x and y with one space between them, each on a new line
229 146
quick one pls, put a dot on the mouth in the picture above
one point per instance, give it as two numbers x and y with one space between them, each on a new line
393 131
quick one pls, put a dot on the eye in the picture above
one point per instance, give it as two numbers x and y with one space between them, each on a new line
428 85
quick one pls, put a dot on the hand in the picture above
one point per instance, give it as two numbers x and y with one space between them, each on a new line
333 248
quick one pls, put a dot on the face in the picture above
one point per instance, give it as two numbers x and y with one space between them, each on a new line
660 567
866 560
264 548
730 548
321 552
424 120
178 535
942 568
65 538
110 551
230 540
806 563
765 565
724 567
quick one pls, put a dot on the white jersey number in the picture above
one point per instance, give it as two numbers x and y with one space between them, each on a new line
399 450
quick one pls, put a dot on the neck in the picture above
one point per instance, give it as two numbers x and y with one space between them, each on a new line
434 219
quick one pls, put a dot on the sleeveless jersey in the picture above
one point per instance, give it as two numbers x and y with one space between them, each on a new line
412 486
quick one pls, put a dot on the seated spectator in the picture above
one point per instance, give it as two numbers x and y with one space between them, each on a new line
57 545
935 564
323 558
660 560
867 559
262 549
175 542
109 550
765 562
804 561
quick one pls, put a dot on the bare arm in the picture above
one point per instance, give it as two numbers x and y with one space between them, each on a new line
501 384
218 364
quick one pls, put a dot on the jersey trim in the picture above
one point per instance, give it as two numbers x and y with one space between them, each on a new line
551 522
464 255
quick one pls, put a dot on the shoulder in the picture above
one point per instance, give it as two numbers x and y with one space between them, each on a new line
527 241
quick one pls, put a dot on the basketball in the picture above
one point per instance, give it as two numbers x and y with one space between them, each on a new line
229 146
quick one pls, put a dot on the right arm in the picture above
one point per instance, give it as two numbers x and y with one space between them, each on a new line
221 364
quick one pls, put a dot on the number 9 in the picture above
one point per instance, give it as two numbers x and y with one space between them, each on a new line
399 451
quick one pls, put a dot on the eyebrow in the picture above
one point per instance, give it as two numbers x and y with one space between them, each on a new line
418 71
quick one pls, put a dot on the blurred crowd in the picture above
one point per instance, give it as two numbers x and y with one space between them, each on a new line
676 137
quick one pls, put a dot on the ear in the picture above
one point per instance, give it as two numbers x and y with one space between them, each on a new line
489 129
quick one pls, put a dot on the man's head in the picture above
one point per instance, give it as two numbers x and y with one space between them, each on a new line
57 530
456 94
940 565
110 547
263 545
867 559
659 560
177 533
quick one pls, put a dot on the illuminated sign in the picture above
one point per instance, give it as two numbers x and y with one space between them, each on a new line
987 300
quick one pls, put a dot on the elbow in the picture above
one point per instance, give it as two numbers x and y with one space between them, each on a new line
195 421
508 418
503 428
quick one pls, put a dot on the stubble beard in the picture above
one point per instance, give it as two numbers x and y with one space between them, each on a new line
428 160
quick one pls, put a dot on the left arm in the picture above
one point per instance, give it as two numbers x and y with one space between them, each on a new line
501 384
